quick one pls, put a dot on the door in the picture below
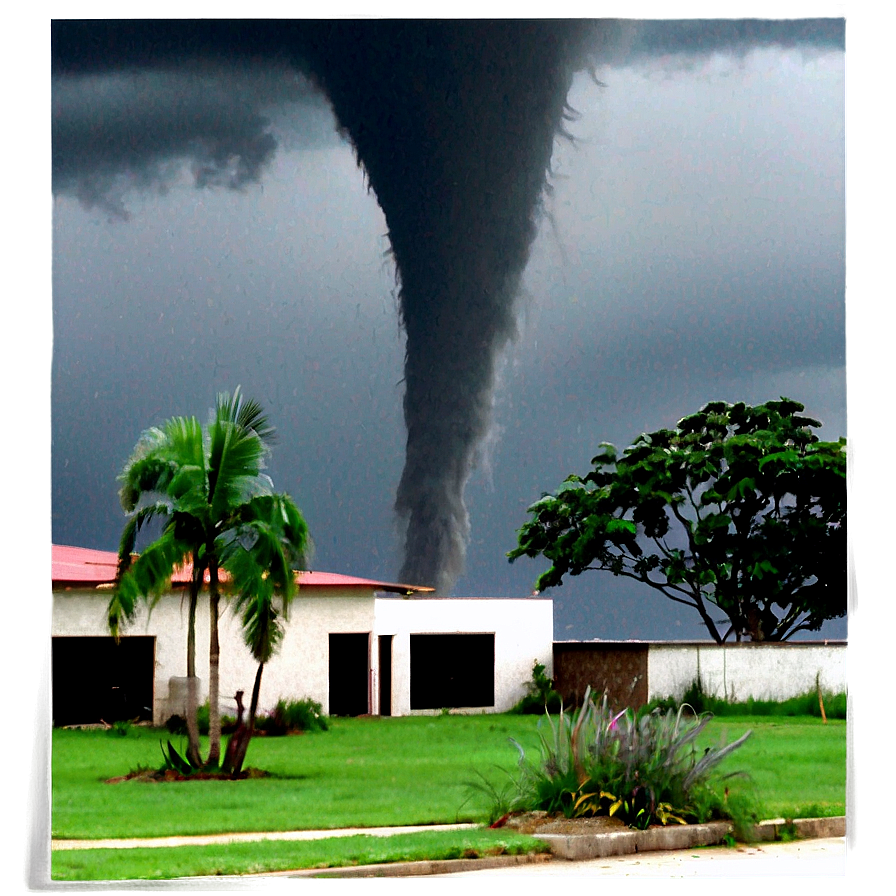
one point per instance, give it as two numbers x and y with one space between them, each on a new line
349 673
385 667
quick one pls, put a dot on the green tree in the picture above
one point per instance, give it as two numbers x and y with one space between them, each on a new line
206 486
738 512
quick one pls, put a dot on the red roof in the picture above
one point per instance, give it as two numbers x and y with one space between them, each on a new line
84 567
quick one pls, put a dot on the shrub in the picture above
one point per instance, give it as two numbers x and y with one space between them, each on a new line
287 716
644 768
177 724
541 696
293 715
804 705
119 728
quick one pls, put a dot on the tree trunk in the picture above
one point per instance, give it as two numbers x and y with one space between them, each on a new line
239 740
253 710
193 754
214 656
227 765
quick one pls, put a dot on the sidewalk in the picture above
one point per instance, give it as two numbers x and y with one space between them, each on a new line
821 850
211 839
806 858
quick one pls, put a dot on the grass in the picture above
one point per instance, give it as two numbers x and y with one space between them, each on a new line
370 772
164 863
806 704
797 765
361 773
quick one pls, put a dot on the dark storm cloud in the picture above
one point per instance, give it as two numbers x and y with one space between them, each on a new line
137 129
454 125
135 100
698 38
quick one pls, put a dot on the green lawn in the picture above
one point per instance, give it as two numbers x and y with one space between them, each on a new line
363 773
164 863
796 765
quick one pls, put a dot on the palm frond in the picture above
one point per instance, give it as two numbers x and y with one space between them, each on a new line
151 571
161 454
122 605
184 442
145 476
246 413
283 517
236 457
144 579
140 518
262 630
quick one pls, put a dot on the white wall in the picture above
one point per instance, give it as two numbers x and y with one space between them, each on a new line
741 671
301 668
523 629
523 633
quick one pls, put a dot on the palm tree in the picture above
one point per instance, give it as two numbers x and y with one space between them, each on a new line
207 484
261 555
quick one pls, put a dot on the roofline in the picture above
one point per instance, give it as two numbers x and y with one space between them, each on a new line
102 584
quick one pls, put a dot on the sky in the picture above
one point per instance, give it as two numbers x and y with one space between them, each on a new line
691 248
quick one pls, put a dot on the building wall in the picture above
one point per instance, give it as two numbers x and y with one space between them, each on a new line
524 633
300 669
741 671
83 613
620 670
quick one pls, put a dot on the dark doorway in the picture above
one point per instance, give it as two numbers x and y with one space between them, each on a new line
349 673
385 666
452 671
96 679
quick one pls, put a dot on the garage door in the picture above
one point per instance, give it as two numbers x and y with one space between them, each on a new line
96 679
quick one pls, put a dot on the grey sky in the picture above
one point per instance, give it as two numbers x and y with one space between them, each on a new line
694 251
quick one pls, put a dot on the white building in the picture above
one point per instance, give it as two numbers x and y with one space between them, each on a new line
354 645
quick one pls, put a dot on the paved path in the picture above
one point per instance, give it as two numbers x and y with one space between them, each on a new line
805 858
248 838
823 857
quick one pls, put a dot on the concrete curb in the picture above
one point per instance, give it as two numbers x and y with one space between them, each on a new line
801 828
580 847
421 869
621 843
576 847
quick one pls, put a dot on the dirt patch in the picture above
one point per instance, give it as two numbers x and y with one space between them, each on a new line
155 776
542 823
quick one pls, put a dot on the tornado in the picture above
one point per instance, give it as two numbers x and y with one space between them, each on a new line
454 126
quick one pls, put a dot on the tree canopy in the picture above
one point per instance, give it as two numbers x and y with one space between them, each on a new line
738 512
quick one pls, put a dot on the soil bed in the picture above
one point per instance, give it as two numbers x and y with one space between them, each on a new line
154 776
542 823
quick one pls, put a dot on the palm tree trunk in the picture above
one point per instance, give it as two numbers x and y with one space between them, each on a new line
242 745
193 754
214 657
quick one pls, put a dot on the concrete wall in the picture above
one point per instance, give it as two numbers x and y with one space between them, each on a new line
620 670
741 671
523 629
300 669
523 633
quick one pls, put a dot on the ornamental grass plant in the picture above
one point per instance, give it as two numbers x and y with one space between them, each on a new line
644 769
